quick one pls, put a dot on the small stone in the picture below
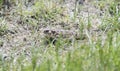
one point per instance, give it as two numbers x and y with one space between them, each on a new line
24 39
80 1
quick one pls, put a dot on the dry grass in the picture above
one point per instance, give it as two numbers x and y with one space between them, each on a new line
60 36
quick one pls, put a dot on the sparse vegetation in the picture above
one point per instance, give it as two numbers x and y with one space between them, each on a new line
62 35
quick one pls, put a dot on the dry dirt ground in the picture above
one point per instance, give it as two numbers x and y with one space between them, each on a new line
19 36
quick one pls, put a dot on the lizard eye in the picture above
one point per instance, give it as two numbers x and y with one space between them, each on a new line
53 32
